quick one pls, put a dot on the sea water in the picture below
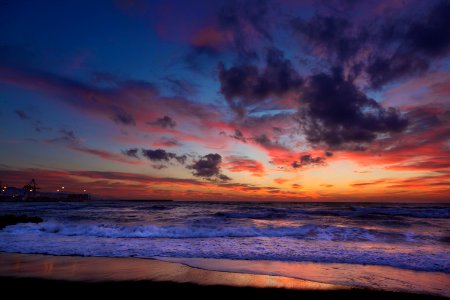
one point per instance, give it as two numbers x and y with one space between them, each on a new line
408 236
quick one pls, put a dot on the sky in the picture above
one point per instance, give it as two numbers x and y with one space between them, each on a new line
227 100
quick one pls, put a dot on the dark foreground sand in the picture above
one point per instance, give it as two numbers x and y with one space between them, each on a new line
62 276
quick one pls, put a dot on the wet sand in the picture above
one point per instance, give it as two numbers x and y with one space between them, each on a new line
363 276
98 269
22 273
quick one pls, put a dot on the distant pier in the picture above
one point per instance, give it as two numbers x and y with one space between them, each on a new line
31 193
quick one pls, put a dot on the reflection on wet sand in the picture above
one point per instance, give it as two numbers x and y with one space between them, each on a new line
363 276
97 269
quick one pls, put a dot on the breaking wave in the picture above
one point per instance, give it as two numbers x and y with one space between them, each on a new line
307 232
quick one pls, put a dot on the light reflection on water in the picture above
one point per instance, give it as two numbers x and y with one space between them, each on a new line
409 236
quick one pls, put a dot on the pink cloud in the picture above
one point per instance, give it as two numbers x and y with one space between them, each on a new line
244 164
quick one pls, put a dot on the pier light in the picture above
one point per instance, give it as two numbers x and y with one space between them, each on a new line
31 190
84 191
57 190
62 187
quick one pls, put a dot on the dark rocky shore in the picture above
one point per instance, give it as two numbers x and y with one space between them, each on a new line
11 219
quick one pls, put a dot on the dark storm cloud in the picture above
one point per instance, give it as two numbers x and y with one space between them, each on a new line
159 167
335 112
181 159
254 12
158 154
223 177
247 85
383 70
66 136
308 160
424 119
334 35
132 152
22 114
162 155
167 142
399 46
242 24
164 122
37 124
180 86
122 117
430 34
420 40
238 135
242 17
265 141
208 167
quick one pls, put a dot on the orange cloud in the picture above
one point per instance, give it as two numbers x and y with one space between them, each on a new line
244 164
280 180
327 185
363 184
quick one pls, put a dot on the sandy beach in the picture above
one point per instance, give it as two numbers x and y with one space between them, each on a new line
98 269
371 277
98 274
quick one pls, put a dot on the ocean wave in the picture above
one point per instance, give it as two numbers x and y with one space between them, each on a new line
267 214
378 212
411 236
307 232
350 212
420 257
415 212
155 207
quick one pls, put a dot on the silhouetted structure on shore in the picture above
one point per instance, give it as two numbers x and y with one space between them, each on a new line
30 189
30 193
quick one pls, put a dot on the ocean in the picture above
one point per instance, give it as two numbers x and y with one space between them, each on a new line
408 236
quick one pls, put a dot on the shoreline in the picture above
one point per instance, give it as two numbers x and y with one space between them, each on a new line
49 269
372 277
114 269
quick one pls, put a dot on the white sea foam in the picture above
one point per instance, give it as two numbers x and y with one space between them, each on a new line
307 232
422 258
407 236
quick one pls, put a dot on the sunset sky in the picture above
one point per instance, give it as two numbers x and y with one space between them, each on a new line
228 100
